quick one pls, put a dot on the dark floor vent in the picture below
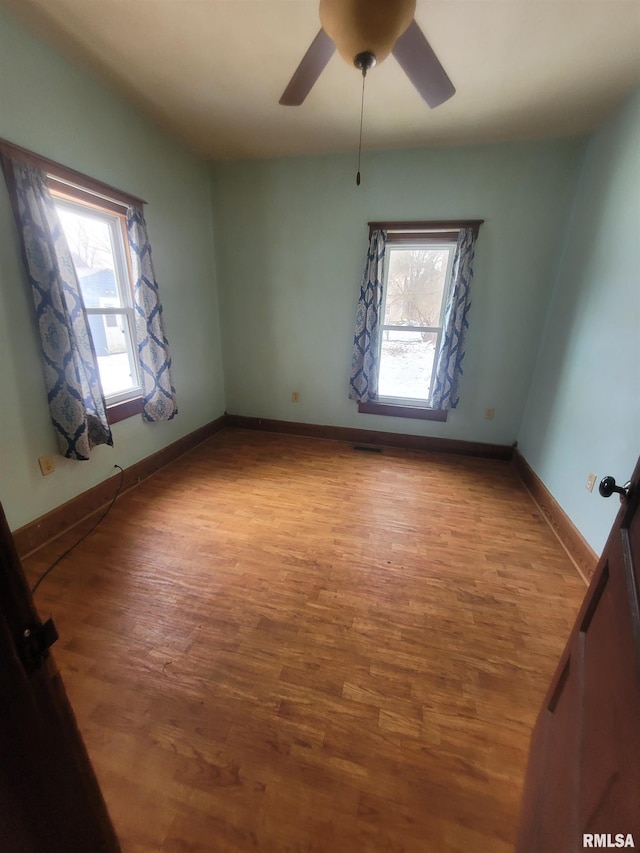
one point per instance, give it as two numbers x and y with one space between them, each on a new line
368 449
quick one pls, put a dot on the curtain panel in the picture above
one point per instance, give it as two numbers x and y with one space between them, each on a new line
158 392
363 382
76 402
449 368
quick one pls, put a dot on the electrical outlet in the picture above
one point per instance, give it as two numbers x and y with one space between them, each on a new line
489 413
47 465
591 481
295 396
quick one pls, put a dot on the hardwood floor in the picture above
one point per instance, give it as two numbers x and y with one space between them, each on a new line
284 644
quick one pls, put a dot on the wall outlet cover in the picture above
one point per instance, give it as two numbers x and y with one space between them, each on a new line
47 465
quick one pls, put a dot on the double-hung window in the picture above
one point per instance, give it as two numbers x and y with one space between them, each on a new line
97 241
99 316
416 286
412 317
95 227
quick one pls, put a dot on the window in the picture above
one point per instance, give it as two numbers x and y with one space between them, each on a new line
416 286
96 230
117 348
417 275
96 239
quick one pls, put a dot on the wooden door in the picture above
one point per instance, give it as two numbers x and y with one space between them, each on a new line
583 780
49 795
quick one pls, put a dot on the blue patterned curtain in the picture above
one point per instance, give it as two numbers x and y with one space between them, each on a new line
158 393
76 402
363 384
454 333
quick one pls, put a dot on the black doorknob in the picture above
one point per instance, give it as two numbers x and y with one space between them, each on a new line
608 486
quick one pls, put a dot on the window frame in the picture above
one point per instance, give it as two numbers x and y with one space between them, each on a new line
409 233
433 242
123 404
91 191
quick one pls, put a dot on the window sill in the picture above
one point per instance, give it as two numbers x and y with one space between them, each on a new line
123 410
394 411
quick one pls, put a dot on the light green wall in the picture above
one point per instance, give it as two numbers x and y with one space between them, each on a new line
291 238
583 412
50 107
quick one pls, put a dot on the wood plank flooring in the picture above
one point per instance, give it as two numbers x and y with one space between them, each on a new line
284 644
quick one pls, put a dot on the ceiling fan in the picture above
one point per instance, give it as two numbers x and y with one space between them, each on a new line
365 32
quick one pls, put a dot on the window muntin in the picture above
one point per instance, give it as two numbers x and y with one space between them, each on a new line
416 287
96 239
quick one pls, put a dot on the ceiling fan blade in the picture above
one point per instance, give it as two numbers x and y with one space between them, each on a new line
422 66
311 67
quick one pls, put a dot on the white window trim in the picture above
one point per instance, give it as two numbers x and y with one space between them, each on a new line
433 243
123 279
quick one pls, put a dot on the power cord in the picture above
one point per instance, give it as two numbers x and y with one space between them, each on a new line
84 536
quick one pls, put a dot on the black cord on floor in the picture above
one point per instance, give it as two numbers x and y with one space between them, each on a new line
84 536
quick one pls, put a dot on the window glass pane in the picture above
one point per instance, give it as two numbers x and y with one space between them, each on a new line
406 364
91 246
111 338
94 239
415 285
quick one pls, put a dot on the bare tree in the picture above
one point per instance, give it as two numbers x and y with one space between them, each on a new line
415 285
89 240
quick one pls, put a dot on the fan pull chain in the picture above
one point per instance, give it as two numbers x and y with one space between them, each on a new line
364 74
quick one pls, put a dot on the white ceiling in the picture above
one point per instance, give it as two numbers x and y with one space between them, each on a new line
212 71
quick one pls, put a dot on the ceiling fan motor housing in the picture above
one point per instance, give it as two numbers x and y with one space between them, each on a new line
365 26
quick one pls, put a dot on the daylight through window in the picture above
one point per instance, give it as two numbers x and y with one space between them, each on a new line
416 286
97 241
